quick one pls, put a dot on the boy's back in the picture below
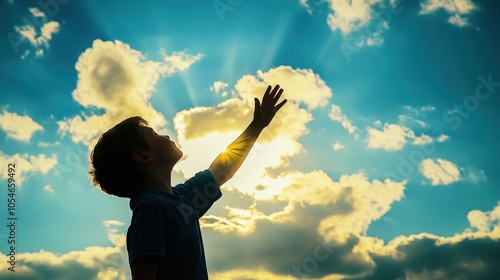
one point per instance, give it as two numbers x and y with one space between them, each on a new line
165 227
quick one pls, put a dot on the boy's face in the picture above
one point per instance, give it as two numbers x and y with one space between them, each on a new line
161 148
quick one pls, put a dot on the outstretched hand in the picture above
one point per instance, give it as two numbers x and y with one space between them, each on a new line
264 112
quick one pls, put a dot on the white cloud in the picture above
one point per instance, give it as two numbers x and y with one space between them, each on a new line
457 9
360 21
216 127
177 62
120 80
36 12
422 140
337 146
391 138
45 144
300 85
443 138
488 221
39 37
475 175
219 86
409 120
419 111
18 127
440 172
94 262
47 31
337 115
394 137
48 188
26 165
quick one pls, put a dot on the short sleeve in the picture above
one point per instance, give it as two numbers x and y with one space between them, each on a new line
201 191
147 232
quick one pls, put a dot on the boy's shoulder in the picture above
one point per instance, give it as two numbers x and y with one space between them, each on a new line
147 197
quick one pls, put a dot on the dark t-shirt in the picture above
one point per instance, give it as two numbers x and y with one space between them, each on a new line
165 227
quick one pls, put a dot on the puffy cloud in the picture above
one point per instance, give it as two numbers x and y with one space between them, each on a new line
120 80
360 21
27 165
439 171
18 127
409 118
422 140
443 138
177 62
39 39
288 250
48 188
392 137
207 131
474 175
337 115
419 111
457 9
93 262
338 146
219 86
300 85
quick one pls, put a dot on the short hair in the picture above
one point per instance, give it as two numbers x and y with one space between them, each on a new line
112 168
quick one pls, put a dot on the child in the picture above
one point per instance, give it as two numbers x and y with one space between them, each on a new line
131 160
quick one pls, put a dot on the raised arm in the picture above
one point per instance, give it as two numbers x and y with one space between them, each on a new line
227 162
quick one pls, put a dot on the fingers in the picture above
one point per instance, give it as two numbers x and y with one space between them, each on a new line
279 106
266 94
278 96
257 104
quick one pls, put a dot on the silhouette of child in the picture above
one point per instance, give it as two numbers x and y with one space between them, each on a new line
132 161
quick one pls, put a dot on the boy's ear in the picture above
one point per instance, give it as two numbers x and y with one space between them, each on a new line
141 157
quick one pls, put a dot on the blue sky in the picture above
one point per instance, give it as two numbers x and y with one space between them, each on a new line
386 147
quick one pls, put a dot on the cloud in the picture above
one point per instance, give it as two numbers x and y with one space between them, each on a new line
337 146
219 86
40 35
119 80
419 111
443 138
457 9
27 165
48 188
287 249
360 21
488 221
391 138
410 117
336 115
440 172
177 62
95 262
474 175
422 140
204 132
18 127
45 144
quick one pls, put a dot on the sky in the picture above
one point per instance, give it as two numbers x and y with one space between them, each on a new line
380 166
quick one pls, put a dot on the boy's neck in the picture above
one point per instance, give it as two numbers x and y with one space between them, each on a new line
161 184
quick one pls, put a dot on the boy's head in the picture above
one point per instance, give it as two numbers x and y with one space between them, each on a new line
127 153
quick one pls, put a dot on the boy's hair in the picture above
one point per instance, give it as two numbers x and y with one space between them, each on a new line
112 169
